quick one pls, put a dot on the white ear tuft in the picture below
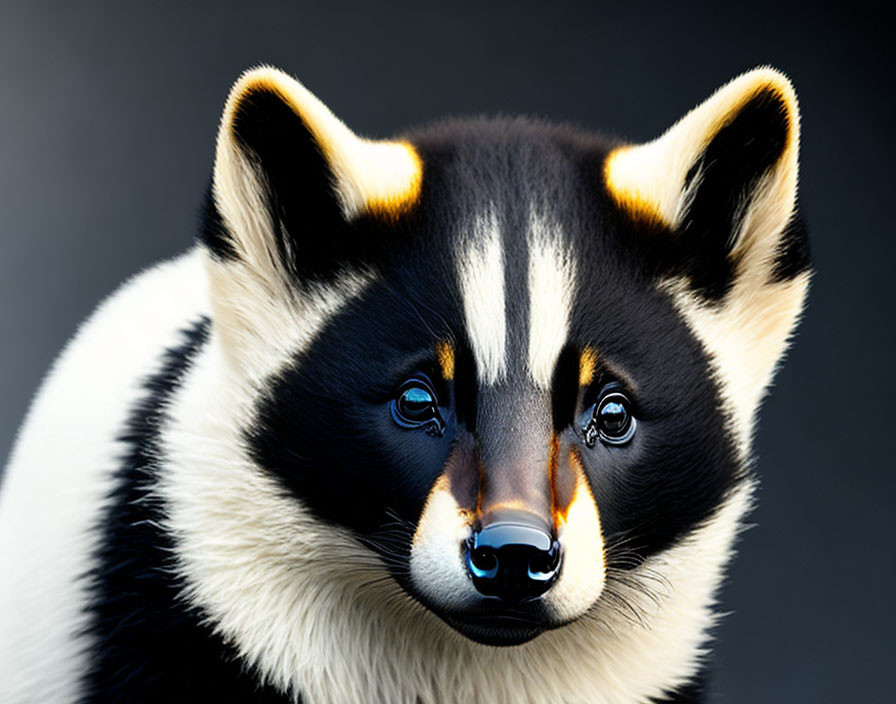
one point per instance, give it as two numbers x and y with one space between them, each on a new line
652 179
367 174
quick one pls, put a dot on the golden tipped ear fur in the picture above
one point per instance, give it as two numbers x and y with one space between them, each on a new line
651 178
366 175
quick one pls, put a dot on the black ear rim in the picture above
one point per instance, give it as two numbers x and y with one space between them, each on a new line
750 143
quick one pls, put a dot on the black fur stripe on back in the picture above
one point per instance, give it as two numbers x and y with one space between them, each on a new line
147 645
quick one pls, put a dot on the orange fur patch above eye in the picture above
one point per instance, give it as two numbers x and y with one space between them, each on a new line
587 366
445 354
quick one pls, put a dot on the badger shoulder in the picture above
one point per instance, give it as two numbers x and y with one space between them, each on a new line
62 470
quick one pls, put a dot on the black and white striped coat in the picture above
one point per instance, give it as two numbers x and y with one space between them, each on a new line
211 501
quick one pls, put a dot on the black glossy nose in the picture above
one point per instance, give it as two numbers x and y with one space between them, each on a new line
512 561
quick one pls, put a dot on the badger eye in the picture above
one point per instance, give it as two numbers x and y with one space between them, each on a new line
415 406
611 420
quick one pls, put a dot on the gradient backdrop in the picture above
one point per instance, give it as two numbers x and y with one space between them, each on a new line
108 113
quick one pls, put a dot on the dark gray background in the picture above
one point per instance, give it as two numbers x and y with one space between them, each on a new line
107 120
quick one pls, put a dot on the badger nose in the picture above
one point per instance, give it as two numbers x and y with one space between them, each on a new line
513 559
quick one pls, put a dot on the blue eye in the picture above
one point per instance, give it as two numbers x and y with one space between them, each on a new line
415 406
611 420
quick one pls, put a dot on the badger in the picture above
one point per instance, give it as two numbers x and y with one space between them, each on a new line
461 416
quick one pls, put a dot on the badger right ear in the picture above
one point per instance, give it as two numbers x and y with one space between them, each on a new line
716 201
291 183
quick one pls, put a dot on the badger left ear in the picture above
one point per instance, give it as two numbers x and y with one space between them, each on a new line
715 198
289 176
291 185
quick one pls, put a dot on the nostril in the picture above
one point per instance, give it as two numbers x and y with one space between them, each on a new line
482 562
543 564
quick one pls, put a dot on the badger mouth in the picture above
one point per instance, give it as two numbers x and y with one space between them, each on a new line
489 621
497 628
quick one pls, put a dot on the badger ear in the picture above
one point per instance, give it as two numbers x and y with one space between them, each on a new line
292 189
715 198
722 179
289 177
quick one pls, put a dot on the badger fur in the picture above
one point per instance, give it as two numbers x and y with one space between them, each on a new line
463 416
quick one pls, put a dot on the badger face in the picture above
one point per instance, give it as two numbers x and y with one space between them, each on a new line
517 363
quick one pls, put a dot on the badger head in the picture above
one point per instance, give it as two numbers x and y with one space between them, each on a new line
498 372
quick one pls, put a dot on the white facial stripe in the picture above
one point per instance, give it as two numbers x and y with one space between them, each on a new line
551 283
481 274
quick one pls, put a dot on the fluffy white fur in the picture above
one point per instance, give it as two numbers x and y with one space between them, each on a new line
746 339
308 608
317 615
436 564
583 575
60 472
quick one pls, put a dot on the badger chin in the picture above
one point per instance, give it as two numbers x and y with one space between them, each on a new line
496 630
490 622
